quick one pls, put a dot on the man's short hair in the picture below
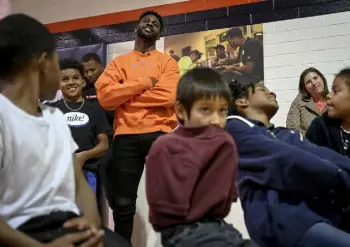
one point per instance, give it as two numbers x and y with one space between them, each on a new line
22 38
70 63
197 53
220 47
159 17
201 83
234 32
239 86
91 57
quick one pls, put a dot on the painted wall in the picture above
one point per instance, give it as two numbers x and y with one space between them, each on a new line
4 8
293 45
49 11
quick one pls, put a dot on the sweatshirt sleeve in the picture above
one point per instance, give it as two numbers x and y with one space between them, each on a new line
316 134
281 166
164 92
112 91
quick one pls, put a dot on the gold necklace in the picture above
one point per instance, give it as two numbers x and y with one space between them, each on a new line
82 104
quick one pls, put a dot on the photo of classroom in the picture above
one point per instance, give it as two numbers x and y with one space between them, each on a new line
238 49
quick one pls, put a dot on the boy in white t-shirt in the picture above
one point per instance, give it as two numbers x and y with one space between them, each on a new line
44 197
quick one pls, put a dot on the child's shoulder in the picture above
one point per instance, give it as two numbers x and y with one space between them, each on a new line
51 112
238 122
164 140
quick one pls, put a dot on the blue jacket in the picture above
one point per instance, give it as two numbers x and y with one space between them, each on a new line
286 184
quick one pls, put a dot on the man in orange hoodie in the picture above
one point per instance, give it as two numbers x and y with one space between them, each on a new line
140 86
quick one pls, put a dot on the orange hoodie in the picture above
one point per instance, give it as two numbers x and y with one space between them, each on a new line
126 87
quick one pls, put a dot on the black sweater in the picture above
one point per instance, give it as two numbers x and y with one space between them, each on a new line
325 131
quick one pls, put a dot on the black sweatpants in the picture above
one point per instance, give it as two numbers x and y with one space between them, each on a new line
47 228
205 233
122 177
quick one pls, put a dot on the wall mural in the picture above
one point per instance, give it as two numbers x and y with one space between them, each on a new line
238 50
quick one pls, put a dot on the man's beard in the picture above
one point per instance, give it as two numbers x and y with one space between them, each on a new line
152 37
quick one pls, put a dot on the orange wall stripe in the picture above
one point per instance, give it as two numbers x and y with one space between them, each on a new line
133 15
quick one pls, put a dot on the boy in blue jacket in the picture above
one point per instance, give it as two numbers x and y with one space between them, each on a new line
293 193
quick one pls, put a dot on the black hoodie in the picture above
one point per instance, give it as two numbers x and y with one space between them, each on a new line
326 131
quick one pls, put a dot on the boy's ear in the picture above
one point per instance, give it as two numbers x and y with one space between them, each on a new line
42 62
84 82
180 111
243 103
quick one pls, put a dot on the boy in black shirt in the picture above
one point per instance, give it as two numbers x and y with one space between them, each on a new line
86 120
93 68
251 54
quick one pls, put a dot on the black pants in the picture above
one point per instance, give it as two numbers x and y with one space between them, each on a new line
47 228
122 177
206 233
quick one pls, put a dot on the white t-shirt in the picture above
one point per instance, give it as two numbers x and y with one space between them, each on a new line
36 165
58 97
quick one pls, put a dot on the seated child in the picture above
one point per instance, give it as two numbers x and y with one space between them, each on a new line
45 199
332 129
190 173
293 193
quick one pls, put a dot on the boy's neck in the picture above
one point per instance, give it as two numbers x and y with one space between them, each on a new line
260 117
73 99
24 94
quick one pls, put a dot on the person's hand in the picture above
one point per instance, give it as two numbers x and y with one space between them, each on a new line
82 223
221 61
81 157
154 81
230 68
85 238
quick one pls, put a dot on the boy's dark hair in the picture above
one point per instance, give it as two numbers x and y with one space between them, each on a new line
302 88
22 38
159 17
220 47
70 63
91 57
234 32
345 73
201 83
239 86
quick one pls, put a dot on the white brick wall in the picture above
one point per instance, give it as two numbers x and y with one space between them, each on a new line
293 45
4 8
